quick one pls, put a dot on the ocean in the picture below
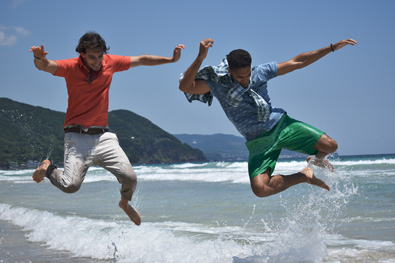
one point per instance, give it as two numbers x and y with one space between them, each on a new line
205 213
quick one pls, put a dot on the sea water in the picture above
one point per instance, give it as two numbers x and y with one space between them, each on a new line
204 212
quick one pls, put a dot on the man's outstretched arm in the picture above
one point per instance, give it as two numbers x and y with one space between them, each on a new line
40 60
307 58
152 60
188 83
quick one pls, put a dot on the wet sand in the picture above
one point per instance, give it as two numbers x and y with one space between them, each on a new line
14 247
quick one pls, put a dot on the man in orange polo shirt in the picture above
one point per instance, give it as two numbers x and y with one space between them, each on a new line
87 138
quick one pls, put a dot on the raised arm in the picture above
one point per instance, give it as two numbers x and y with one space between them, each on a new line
188 83
152 60
307 58
41 62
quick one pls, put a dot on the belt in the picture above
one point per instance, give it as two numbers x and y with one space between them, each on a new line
90 131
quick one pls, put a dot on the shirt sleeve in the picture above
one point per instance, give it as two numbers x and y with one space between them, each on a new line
64 66
120 63
267 71
205 98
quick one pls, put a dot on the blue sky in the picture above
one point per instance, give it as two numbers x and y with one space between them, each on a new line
348 94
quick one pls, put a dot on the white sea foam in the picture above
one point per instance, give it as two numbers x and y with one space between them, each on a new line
163 242
303 233
105 240
235 172
364 162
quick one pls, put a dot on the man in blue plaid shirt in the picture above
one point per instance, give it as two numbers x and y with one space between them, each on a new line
242 92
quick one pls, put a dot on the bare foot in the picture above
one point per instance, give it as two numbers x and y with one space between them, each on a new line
130 211
311 179
323 163
39 173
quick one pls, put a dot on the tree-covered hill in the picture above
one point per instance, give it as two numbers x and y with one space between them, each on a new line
30 133
144 142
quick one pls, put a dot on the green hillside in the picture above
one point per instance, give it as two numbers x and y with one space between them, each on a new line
144 142
32 133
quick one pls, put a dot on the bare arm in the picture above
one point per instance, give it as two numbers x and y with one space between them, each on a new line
41 62
188 83
152 60
307 58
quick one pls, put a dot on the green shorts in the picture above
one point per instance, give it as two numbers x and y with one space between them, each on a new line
288 134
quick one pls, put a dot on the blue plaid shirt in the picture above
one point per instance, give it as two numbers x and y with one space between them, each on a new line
248 109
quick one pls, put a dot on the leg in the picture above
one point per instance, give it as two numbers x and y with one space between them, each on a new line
128 179
263 185
130 211
69 181
76 163
325 146
111 157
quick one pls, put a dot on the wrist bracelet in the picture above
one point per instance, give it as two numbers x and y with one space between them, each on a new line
36 57
333 50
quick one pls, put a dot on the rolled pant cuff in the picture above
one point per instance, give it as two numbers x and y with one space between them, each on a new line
50 169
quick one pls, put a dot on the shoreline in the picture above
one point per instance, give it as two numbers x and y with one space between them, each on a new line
14 247
32 165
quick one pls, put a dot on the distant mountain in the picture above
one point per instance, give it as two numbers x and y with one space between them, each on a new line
144 142
30 134
224 147
217 147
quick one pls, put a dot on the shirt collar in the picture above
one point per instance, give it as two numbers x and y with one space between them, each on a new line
91 75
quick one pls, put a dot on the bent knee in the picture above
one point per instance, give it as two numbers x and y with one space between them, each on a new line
332 145
259 184
71 188
261 194
260 191
326 144
129 178
125 174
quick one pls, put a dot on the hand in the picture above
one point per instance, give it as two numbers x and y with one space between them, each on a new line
204 46
177 52
343 43
38 52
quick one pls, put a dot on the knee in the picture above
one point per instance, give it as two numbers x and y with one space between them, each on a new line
71 188
260 194
128 181
332 145
327 144
260 191
259 184
130 178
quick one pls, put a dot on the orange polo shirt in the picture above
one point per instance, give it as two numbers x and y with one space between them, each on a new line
88 102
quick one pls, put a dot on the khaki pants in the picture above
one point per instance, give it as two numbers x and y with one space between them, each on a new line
82 151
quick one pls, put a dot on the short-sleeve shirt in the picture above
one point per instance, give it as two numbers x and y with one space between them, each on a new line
89 99
244 115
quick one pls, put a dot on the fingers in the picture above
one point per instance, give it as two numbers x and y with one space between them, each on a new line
38 51
351 41
207 42
204 46
33 48
177 52
180 46
343 43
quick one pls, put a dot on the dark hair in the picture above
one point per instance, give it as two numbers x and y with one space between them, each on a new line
239 58
91 40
